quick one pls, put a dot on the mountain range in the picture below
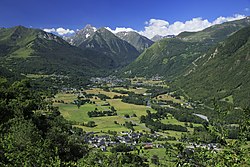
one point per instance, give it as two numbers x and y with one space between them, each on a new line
172 57
120 48
138 41
34 51
159 37
120 52
91 50
212 63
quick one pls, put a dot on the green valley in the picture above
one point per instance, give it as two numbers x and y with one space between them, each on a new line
173 94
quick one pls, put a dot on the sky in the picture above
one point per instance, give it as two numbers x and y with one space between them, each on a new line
147 17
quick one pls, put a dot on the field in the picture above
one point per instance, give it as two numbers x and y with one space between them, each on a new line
169 98
71 112
103 124
100 91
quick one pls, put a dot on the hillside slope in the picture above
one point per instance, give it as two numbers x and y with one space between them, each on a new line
172 57
138 41
222 73
120 52
28 50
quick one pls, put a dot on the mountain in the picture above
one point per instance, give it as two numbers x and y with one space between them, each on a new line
81 35
172 57
138 41
223 72
120 52
27 50
159 37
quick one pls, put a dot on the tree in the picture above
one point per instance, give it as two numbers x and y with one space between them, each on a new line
126 115
155 160
33 133
91 124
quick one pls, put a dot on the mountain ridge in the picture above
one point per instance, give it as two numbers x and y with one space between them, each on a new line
119 51
34 51
172 57
135 39
222 72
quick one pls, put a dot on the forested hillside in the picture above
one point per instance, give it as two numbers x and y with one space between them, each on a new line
223 72
172 57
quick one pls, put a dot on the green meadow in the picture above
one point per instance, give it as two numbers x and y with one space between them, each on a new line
71 112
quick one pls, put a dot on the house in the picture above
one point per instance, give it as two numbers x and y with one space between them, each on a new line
148 146
103 148
105 104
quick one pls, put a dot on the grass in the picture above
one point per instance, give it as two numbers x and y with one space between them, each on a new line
169 98
160 152
148 82
66 97
100 91
37 76
139 90
71 112
22 53
125 108
228 99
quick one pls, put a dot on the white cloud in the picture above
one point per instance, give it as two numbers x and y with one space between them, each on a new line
162 27
120 29
221 19
60 31
50 30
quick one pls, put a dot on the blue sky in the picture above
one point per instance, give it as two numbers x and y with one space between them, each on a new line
75 14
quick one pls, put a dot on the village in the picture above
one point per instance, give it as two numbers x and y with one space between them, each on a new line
129 138
120 115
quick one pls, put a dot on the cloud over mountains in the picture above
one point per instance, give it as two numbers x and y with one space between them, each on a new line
59 31
162 27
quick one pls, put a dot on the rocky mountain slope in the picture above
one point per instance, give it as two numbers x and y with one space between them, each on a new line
120 52
138 41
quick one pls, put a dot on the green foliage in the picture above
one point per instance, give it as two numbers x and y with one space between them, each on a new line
206 64
173 57
121 148
222 72
90 124
133 98
98 159
32 131
101 113
232 154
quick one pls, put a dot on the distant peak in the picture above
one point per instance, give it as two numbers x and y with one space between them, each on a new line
20 27
88 26
127 32
103 29
87 29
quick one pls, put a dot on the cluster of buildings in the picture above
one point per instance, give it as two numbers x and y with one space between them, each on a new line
128 138
114 81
